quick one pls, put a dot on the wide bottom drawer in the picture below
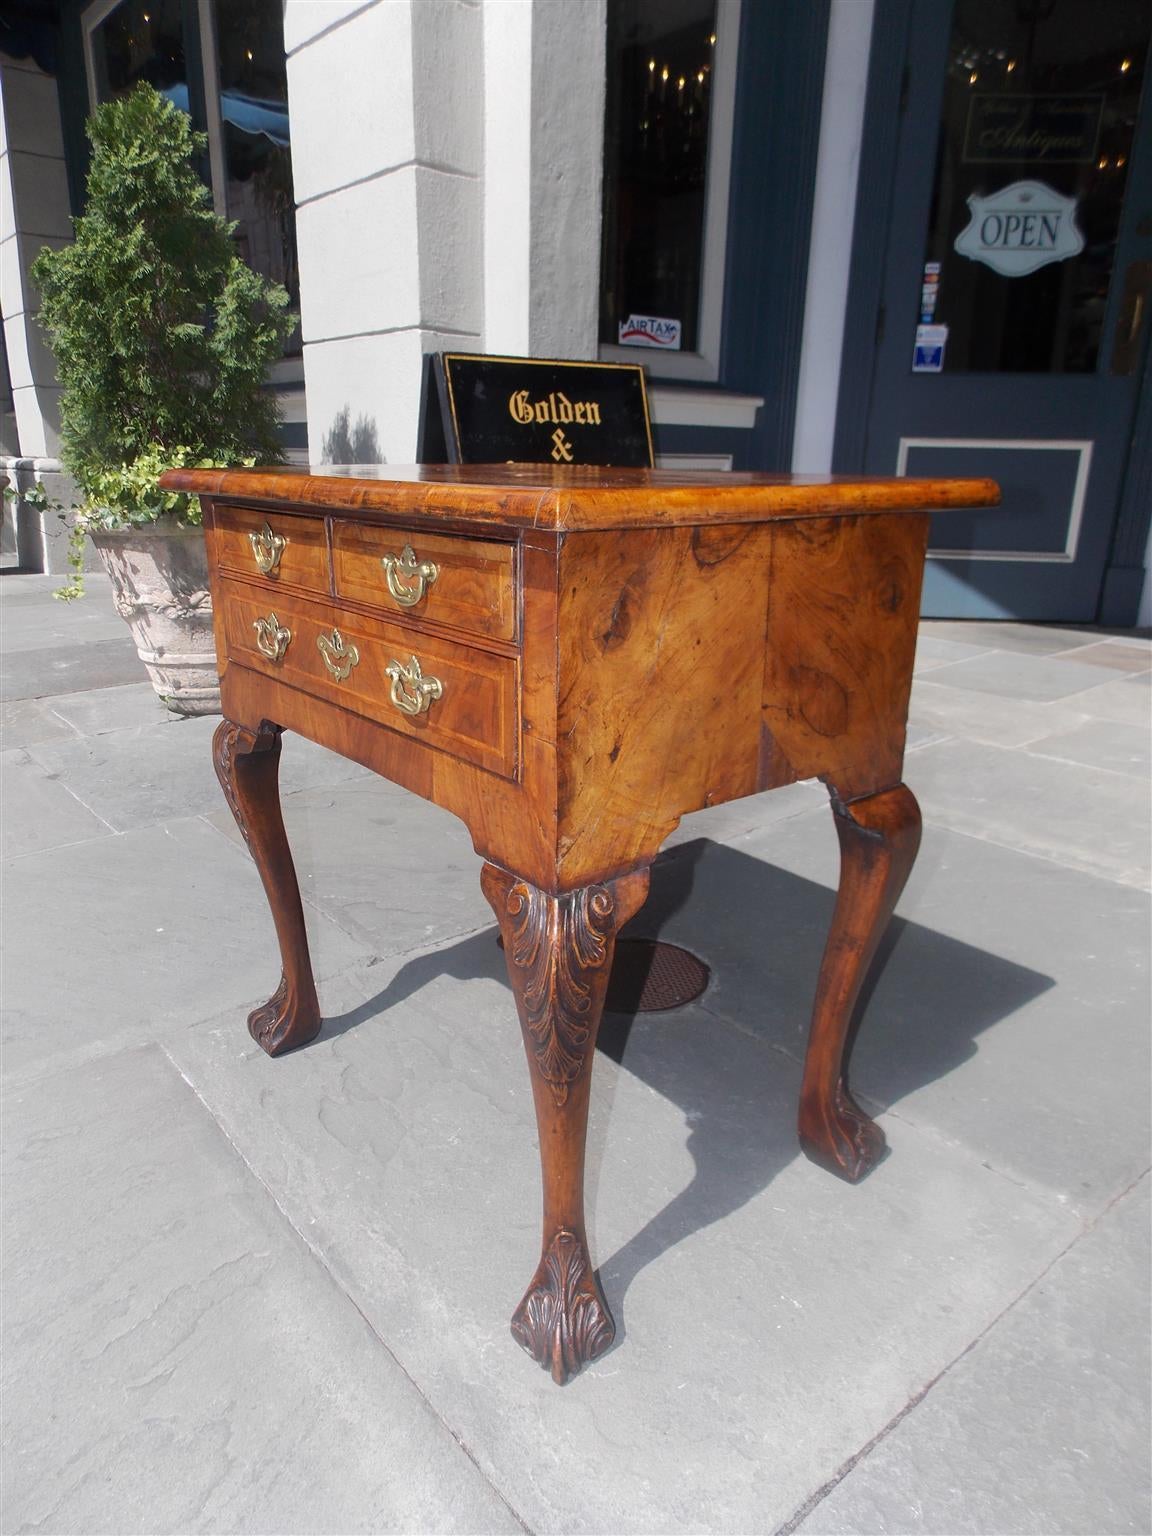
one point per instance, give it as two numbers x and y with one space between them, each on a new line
447 695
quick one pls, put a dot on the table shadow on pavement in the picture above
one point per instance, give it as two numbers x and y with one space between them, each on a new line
742 1131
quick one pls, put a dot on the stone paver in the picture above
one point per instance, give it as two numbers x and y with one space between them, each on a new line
24 721
1042 1427
395 871
1000 1017
746 1282
36 674
1101 744
1088 818
176 1358
1127 700
39 812
123 939
1019 675
112 709
151 773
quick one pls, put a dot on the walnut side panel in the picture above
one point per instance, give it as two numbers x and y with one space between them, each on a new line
660 678
843 610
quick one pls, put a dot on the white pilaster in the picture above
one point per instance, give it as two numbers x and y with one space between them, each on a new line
830 245
387 129
447 164
34 212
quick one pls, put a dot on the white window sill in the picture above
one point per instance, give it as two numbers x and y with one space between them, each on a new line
701 408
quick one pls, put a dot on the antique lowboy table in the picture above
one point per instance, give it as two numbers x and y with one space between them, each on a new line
569 660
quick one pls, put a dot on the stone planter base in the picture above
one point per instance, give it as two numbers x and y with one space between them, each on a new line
160 588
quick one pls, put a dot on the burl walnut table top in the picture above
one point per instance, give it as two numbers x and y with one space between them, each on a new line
570 498
570 660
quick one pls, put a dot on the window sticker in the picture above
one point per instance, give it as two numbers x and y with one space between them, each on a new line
928 353
650 331
1020 229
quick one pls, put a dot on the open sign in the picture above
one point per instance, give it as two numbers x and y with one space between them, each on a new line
1020 228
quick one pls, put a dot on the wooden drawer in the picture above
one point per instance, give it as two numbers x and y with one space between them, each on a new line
462 583
301 561
472 714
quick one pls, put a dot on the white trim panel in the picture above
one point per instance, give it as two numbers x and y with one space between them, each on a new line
719 463
1081 446
701 408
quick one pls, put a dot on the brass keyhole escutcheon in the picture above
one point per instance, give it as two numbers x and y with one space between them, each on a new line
272 637
412 692
339 657
408 578
267 547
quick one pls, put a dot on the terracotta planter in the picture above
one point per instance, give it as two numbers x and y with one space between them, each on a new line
160 588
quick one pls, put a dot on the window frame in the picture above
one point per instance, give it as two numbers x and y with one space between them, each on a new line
704 363
99 11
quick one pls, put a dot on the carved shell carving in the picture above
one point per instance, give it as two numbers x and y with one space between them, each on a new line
559 944
562 1322
228 740
223 760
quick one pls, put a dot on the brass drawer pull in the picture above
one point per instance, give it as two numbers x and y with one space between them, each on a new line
339 658
267 547
412 692
272 637
407 577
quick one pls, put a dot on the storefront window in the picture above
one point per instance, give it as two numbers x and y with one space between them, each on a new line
257 156
659 130
1040 105
139 41
241 82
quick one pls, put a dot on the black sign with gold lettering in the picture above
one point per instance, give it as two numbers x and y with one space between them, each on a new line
519 410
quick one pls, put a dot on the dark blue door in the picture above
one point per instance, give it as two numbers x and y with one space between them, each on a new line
1016 291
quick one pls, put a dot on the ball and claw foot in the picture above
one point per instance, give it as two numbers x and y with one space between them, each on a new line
842 1138
563 1321
282 1024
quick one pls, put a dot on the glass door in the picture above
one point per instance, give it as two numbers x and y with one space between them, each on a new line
1016 291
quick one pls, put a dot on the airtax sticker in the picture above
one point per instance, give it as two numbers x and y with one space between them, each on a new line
650 331
1021 228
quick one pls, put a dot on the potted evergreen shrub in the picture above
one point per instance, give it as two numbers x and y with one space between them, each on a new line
162 338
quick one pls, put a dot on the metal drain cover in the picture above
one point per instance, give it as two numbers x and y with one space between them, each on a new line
651 977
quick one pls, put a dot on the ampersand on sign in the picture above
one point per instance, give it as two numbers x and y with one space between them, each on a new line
562 449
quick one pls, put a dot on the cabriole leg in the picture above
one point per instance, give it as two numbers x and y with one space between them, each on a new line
247 765
559 954
879 838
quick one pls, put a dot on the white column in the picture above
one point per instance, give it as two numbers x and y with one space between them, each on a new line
386 107
830 247
544 64
447 162
507 176
568 67
34 212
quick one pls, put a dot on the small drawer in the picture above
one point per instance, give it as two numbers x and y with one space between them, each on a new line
462 701
282 551
462 583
